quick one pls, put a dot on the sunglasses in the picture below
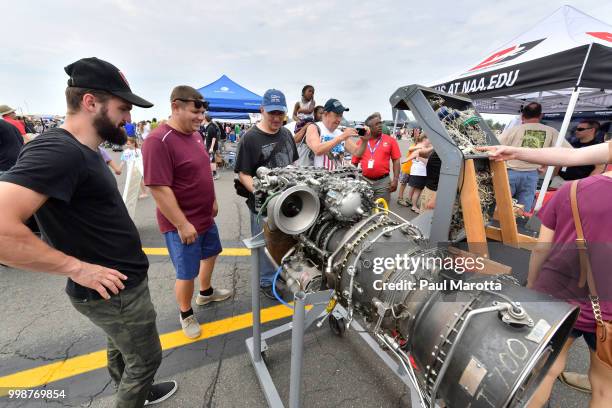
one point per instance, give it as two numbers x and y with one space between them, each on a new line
197 103
581 129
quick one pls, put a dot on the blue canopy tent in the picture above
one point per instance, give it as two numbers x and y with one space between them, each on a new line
228 100
228 115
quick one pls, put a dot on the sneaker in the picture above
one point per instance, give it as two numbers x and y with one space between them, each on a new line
576 381
217 296
216 177
403 202
267 292
160 392
190 326
281 291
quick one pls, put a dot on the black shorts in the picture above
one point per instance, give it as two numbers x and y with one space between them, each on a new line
589 338
417 181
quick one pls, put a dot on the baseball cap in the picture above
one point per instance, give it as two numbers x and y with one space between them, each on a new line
5 110
94 73
274 100
334 105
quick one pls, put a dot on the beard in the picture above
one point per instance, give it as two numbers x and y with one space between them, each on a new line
107 130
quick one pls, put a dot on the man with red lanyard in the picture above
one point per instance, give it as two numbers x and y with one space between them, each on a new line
375 159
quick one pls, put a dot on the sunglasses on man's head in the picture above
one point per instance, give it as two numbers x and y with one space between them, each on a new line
581 129
197 103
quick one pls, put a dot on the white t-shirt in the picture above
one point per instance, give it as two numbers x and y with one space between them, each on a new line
419 167
304 105
146 130
133 156
324 160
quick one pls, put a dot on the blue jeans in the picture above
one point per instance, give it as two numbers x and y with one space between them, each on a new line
523 186
266 269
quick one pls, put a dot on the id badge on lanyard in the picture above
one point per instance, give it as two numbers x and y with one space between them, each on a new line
372 151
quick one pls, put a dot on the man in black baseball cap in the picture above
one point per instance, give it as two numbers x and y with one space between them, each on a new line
94 73
334 105
61 177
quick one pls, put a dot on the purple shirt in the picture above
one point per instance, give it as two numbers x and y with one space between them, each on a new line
104 154
560 272
181 162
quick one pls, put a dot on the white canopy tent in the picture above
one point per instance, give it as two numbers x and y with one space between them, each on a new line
564 62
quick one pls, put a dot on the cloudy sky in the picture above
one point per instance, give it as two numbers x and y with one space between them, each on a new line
357 51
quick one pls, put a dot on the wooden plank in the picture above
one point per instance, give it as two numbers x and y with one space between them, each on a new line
503 198
472 213
490 267
493 233
524 241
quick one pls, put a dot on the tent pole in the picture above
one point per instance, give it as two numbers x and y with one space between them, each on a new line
566 122
395 122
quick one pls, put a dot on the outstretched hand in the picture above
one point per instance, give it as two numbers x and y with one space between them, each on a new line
99 278
500 152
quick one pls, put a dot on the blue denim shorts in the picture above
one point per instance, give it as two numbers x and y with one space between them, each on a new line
589 338
186 258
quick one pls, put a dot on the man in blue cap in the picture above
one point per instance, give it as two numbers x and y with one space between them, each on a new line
271 145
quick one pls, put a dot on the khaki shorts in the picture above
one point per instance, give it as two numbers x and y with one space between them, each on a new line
426 196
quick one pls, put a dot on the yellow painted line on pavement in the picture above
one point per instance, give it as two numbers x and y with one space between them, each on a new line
225 252
38 376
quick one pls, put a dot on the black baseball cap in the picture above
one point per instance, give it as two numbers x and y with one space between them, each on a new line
334 105
94 73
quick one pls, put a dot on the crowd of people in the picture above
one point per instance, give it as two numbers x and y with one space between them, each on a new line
62 177
28 125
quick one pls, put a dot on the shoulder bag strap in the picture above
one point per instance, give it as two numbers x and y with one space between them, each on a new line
581 244
586 273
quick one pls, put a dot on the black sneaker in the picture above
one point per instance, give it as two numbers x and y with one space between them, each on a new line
281 291
160 392
267 292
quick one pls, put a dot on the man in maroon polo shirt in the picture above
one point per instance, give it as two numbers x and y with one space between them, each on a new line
177 169
375 159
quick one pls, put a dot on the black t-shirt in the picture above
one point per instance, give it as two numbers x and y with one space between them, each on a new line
212 132
433 171
578 172
11 143
222 134
256 148
84 215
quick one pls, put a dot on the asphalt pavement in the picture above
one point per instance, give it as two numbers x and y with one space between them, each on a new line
41 334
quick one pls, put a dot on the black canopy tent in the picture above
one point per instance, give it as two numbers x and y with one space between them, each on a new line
564 63
568 49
